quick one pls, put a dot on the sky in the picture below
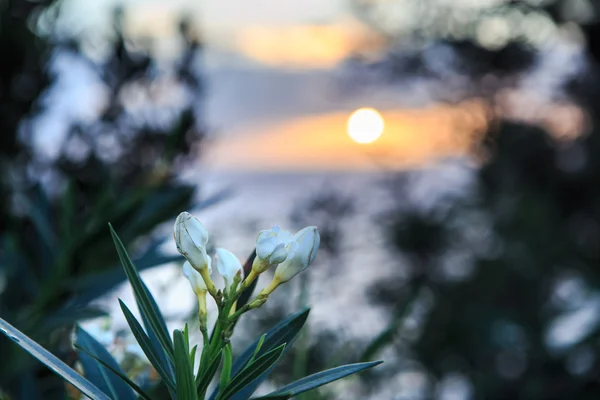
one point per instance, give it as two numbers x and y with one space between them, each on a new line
278 92
220 20
272 68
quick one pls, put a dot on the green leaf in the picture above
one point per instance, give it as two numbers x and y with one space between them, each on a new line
275 397
226 370
193 355
285 332
318 379
163 355
97 374
146 346
252 372
118 373
282 333
146 303
184 374
258 347
204 379
52 362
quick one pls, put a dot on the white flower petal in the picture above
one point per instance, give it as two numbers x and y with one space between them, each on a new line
266 246
302 252
285 237
279 254
191 238
228 264
271 245
308 240
196 281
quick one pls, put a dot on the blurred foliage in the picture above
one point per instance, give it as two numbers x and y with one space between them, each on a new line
57 195
492 24
501 298
496 294
474 39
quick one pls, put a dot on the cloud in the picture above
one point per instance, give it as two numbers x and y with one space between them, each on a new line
303 46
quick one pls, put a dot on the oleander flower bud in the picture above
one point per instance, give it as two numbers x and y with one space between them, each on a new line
196 281
199 288
272 247
301 255
228 266
191 238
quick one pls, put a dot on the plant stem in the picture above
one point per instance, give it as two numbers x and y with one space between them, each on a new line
238 313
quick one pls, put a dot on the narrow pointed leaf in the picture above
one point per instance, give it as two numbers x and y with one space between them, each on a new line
258 347
184 374
318 379
120 374
204 379
285 332
282 333
52 362
251 373
147 305
146 346
98 374
274 397
162 353
193 355
226 370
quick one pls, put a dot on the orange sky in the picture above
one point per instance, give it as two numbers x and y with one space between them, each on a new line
305 46
320 142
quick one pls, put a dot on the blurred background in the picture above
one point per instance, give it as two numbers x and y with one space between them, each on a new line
445 149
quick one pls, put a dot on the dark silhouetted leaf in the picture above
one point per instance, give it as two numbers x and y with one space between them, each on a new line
52 362
318 379
98 374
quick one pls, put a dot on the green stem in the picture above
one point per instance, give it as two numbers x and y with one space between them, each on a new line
221 326
204 332
238 313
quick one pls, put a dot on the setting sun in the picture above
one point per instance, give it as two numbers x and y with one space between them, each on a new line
365 125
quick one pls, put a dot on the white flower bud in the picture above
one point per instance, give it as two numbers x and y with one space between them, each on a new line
196 281
272 247
228 265
301 253
279 254
191 238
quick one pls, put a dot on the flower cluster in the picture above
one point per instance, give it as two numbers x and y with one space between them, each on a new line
174 360
289 253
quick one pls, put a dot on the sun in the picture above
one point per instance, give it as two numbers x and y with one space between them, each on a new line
365 125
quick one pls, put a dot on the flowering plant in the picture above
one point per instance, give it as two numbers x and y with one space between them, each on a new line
186 376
